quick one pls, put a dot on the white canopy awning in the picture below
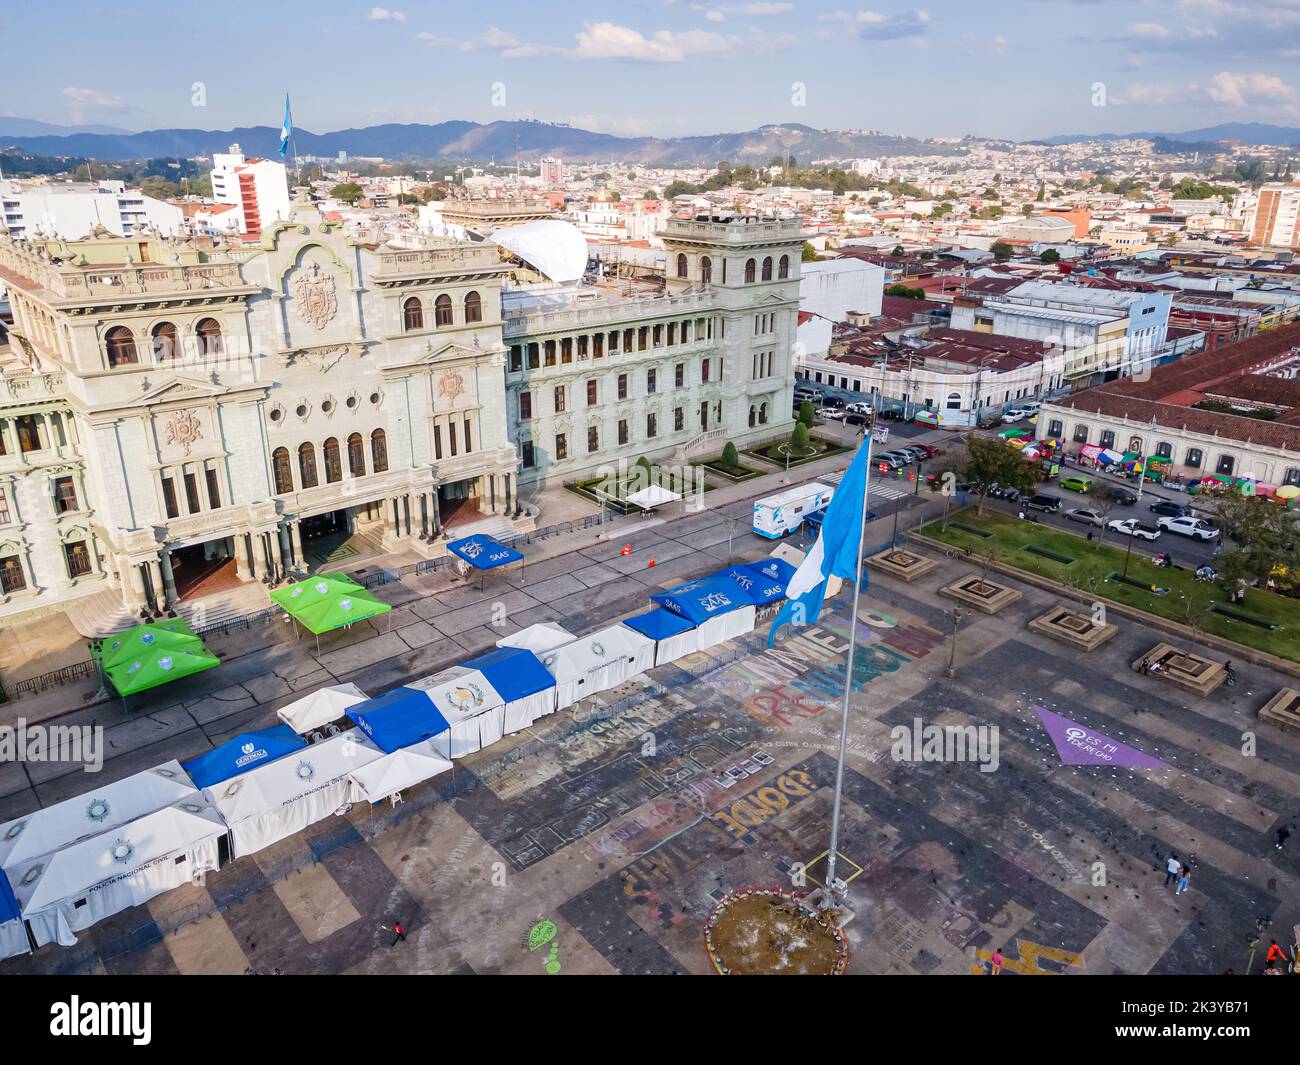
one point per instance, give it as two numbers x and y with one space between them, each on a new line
279 798
597 662
653 496
539 638
321 707
471 706
400 770
96 810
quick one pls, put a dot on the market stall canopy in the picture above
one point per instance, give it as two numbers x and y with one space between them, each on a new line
328 601
522 681
538 638
125 647
46 830
242 753
551 246
158 664
763 582
1288 491
399 718
13 936
653 496
483 552
673 637
321 707
401 769
69 890
700 600
1106 455
474 710
278 799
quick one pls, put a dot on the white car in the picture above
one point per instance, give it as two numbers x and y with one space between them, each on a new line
1196 528
833 413
1133 527
1015 415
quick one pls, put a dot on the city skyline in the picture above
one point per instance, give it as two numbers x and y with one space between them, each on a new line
640 71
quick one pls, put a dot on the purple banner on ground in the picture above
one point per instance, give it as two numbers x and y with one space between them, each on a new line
1081 746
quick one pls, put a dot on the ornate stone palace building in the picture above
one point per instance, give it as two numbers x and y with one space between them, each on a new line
171 409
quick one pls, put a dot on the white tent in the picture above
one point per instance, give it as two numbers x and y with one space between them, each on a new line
471 706
597 662
727 626
654 496
321 707
674 637
540 638
68 891
47 830
275 800
400 770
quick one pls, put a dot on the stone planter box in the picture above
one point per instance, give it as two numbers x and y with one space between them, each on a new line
1074 627
981 593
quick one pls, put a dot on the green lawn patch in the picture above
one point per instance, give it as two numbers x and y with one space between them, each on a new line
818 448
618 489
1096 571
735 474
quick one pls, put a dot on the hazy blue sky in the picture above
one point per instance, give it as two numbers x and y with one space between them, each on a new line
990 67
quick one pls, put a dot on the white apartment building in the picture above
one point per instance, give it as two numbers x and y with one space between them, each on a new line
1275 220
73 209
828 290
258 189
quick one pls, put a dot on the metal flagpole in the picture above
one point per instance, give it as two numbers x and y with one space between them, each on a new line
848 678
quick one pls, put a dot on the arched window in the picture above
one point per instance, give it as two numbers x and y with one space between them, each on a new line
681 265
282 471
333 461
121 347
783 268
209 332
379 451
356 455
706 271
767 268
473 307
750 267
954 401
164 341
753 416
762 414
442 310
307 466
412 315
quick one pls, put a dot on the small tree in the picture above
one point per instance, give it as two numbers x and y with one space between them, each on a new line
1102 497
898 252
1002 250
806 413
730 457
349 192
1051 255
799 438
809 253
991 461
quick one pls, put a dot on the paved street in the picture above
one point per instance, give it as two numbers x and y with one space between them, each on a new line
610 820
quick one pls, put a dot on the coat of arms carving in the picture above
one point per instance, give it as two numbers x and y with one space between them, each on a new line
313 293
185 429
450 385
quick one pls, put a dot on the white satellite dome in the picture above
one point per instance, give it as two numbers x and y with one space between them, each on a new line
552 247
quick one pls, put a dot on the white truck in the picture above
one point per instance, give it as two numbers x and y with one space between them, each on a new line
776 515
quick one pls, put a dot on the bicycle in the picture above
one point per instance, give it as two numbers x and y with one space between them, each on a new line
954 552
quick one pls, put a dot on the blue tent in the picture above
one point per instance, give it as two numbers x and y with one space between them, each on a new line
399 718
658 624
514 672
700 600
8 904
483 552
248 750
763 582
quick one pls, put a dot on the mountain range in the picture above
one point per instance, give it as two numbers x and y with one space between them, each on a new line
500 140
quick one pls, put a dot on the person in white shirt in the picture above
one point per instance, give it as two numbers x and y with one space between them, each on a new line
1172 868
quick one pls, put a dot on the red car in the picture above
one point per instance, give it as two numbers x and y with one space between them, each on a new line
930 452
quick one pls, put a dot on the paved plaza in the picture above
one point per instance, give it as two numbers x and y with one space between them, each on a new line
599 840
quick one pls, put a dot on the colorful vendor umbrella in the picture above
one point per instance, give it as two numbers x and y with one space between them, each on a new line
328 601
158 665
1288 491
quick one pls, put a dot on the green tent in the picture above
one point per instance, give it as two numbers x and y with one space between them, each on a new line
328 601
171 634
159 665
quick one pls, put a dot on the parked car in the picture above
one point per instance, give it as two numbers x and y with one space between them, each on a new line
833 413
1134 527
813 395
1013 495
1050 504
1196 528
911 453
1166 508
1014 415
859 408
856 419
1123 497
928 450
1076 484
834 401
1089 517
893 460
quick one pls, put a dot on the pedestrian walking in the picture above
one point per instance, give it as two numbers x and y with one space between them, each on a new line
399 933
1283 834
1275 954
996 959
1184 881
1172 866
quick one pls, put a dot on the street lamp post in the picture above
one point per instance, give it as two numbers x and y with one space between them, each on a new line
951 671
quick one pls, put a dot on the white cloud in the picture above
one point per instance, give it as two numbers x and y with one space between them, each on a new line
433 40
874 26
1148 30
383 14
93 99
716 16
1243 90
606 40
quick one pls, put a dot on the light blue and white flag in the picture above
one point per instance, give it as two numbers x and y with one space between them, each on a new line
835 554
286 131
